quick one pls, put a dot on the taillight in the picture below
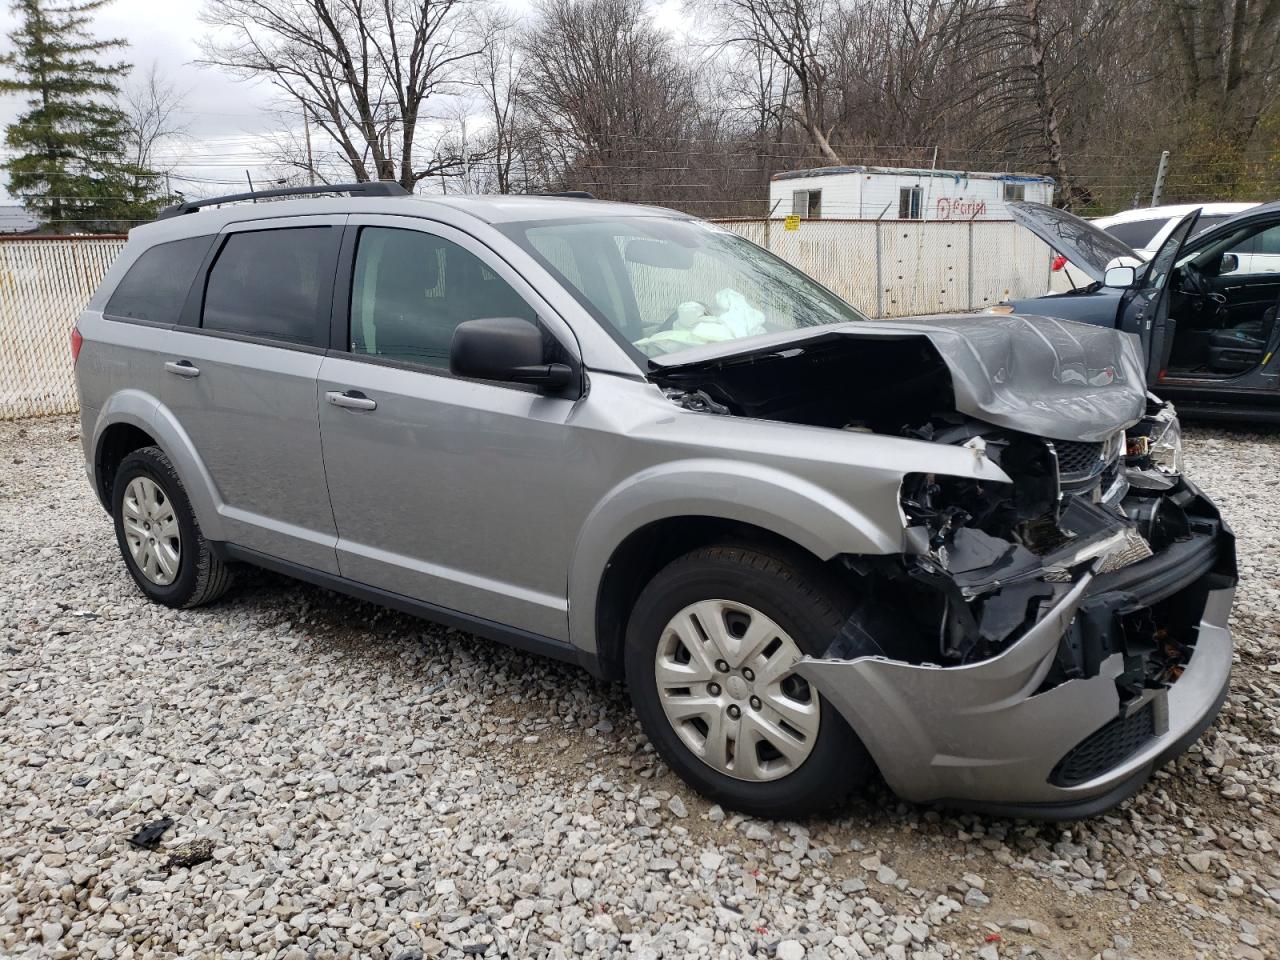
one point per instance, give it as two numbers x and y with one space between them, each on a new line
77 341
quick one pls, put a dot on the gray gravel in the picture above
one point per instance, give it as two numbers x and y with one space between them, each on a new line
347 782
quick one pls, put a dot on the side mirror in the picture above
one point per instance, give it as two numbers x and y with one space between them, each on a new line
1122 278
506 349
1229 263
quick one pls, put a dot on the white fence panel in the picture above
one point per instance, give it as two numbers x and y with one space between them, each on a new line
897 269
1008 263
924 268
44 284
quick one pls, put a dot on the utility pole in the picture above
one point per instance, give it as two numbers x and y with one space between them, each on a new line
1158 189
466 160
306 132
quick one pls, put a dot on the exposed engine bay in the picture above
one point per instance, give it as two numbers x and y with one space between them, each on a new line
983 561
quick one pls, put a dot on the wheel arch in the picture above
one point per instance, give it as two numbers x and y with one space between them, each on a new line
652 519
131 417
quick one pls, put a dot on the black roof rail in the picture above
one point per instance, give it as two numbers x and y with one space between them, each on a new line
574 194
372 188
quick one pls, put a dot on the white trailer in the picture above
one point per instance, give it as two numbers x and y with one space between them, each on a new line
901 193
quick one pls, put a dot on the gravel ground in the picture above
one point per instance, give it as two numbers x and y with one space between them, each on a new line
361 784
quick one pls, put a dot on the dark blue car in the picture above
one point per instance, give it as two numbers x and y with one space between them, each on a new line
1205 305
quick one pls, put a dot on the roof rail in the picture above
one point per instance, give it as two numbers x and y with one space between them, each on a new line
372 188
574 194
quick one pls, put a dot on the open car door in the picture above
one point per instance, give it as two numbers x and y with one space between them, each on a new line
1147 313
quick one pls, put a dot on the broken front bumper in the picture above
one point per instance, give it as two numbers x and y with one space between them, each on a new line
995 736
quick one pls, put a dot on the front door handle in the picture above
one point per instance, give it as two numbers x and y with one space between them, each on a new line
351 400
183 368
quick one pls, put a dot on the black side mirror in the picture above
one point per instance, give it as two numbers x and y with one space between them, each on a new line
1229 263
506 349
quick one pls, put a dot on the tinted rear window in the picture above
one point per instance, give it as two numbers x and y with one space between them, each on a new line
156 285
1137 233
271 283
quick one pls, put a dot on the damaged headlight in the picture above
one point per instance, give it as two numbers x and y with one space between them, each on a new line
1155 444
1166 446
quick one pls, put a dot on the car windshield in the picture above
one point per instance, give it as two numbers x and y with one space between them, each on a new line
662 285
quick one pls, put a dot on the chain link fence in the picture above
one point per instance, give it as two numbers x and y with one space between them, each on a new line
885 269
44 284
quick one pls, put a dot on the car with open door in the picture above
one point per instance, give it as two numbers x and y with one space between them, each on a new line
1204 305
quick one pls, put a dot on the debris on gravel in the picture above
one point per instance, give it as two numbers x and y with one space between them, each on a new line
347 782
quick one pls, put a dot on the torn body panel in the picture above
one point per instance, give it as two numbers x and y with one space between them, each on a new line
1099 680
989 735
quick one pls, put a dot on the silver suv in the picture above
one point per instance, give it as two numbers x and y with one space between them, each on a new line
959 551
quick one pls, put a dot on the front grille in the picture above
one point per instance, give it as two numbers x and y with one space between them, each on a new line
1077 458
1100 751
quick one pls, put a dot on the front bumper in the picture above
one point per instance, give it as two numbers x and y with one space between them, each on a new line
994 736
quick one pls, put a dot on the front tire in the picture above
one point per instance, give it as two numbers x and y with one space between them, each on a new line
710 643
159 538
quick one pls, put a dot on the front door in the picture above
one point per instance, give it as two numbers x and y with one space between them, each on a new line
1147 311
446 490
240 376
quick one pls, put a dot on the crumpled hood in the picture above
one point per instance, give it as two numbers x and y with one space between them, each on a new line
1046 377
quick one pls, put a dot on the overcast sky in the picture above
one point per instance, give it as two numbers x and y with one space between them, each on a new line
226 119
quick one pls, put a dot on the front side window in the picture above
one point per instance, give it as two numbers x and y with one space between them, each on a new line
663 285
156 286
909 203
272 283
411 290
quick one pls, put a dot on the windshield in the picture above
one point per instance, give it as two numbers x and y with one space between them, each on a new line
663 285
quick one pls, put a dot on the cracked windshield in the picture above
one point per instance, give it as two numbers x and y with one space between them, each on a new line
667 285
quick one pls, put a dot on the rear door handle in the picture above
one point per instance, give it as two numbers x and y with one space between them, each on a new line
351 400
183 368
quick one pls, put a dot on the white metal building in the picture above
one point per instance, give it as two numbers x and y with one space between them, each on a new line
901 193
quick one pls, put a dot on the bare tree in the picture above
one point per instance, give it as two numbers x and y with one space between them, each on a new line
154 106
612 95
1228 58
497 73
364 71
792 31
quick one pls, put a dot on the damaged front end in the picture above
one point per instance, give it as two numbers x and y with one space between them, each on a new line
1040 645
1055 623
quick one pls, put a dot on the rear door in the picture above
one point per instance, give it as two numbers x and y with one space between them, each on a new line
1147 312
240 375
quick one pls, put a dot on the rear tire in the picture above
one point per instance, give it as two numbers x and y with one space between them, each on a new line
754 737
159 538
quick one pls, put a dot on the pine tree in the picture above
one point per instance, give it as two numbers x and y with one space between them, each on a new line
69 163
